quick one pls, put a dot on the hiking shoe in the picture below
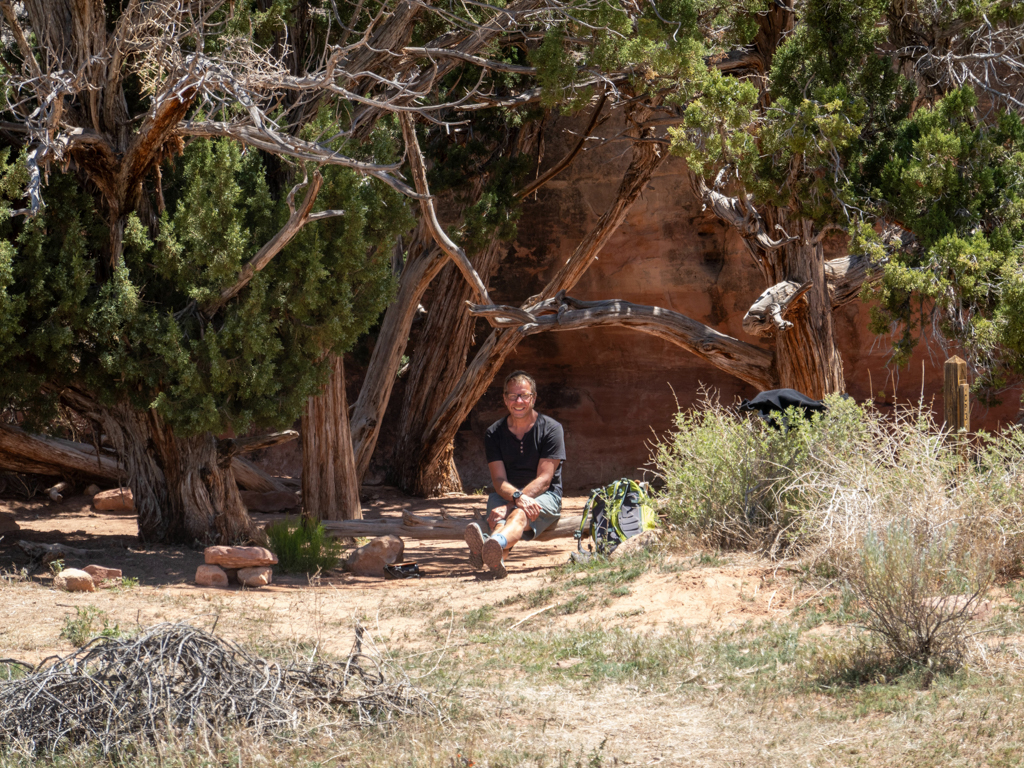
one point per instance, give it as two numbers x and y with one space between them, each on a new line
494 558
475 540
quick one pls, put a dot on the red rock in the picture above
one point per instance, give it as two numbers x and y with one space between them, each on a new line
74 580
114 500
370 559
239 557
271 501
644 541
211 576
101 573
255 577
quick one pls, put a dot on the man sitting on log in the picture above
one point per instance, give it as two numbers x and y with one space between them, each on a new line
525 451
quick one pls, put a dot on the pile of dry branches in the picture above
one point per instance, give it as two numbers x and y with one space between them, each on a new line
179 679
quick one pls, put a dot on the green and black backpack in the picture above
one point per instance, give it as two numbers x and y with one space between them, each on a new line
619 511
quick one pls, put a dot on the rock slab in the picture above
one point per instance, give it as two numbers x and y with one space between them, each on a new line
370 559
639 543
74 580
101 573
255 577
211 576
114 500
239 557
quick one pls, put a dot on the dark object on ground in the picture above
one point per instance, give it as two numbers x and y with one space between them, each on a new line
776 401
179 679
403 571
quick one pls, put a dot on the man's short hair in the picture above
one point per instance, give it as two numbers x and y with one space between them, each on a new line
520 377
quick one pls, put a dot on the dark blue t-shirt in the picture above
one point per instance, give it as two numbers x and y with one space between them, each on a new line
522 457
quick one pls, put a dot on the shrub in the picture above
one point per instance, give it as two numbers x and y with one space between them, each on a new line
81 628
920 590
302 546
736 482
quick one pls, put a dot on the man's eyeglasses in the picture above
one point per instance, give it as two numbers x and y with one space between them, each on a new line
513 398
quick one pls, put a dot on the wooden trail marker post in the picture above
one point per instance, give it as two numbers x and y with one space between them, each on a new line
956 396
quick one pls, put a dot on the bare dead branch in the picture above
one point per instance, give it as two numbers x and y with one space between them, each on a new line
564 163
236 445
745 361
767 314
419 175
495 66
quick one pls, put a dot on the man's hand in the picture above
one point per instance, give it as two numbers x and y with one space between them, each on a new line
530 506
496 516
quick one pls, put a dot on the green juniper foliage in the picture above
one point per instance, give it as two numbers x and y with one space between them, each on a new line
845 136
137 333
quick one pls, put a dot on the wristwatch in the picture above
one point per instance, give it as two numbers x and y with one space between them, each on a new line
516 495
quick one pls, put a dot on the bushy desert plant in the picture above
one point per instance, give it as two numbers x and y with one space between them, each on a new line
303 546
920 590
735 481
820 485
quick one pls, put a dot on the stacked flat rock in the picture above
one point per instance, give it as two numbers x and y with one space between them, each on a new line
239 557
211 576
74 580
101 573
255 577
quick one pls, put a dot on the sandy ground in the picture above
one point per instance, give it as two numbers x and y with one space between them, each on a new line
534 721
32 613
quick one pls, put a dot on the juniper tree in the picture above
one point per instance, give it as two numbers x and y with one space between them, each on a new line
199 203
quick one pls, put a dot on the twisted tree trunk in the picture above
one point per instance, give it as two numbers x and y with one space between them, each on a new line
330 485
184 489
647 158
439 359
807 354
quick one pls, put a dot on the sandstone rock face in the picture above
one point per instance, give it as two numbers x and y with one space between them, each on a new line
114 500
272 501
100 573
239 557
370 559
211 576
639 543
74 580
255 577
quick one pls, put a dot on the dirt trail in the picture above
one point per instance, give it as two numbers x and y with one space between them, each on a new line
32 613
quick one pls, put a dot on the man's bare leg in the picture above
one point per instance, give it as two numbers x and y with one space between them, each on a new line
505 535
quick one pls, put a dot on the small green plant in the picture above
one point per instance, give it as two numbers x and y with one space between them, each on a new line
303 546
920 588
56 566
83 626
479 617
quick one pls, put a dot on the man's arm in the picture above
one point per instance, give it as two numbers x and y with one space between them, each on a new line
528 501
499 480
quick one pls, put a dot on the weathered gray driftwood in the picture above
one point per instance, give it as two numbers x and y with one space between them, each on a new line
436 528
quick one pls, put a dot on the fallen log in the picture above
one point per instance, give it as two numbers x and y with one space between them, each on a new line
21 451
36 454
252 478
430 528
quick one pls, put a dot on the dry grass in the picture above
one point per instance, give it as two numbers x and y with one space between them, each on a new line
783 693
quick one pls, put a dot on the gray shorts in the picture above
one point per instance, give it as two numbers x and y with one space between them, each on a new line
551 509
